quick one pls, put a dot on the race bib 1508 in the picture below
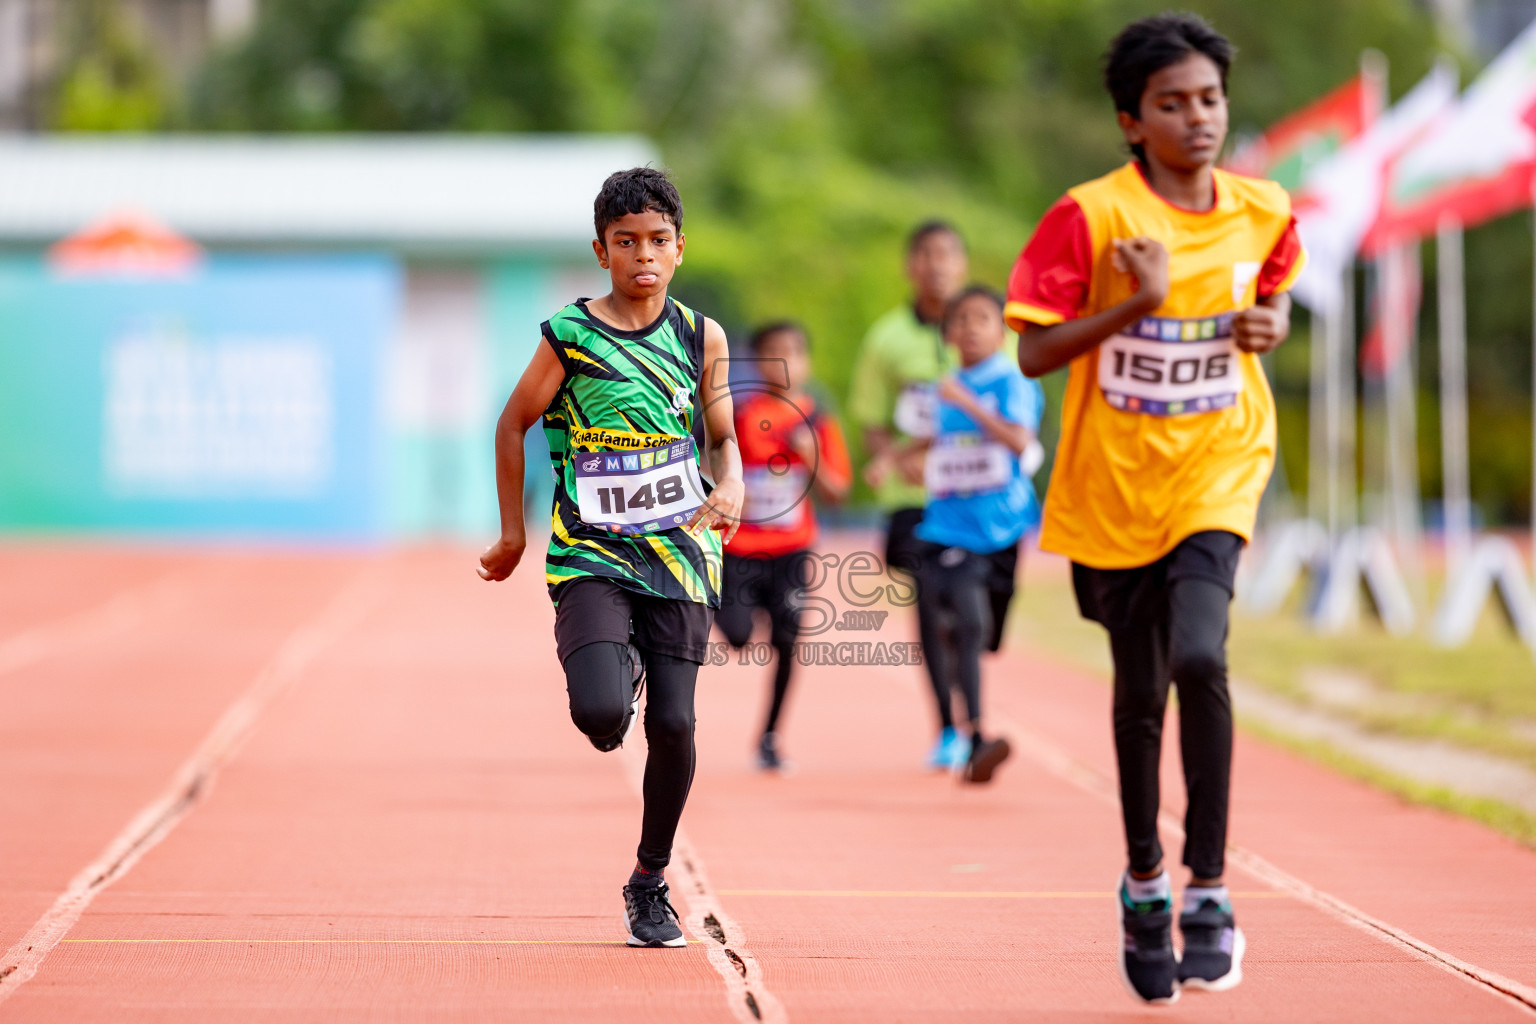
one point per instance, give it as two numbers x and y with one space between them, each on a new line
773 499
1169 367
642 491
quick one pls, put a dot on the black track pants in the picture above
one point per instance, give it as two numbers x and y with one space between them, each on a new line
774 584
954 620
1187 648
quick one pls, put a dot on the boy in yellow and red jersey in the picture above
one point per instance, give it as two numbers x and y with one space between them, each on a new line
791 449
1160 284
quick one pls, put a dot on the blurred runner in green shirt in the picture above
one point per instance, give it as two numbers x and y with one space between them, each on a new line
892 401
903 354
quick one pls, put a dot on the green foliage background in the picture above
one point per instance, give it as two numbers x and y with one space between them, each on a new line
808 136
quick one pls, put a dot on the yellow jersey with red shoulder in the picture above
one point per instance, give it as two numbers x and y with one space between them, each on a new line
1167 428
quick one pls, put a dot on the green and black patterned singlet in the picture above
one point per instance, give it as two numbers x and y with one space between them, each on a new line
625 391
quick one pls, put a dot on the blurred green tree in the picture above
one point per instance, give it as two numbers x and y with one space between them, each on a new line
110 79
808 135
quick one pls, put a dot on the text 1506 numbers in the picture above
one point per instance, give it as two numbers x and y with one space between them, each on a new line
1150 369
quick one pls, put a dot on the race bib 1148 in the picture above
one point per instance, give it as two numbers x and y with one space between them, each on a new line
643 491
1171 367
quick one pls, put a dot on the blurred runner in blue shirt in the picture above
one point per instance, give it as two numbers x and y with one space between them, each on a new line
980 503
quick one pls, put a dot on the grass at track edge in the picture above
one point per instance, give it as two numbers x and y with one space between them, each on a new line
1495 814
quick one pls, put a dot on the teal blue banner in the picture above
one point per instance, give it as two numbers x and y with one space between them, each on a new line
241 400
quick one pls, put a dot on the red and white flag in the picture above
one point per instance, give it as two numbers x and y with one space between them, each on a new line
1341 198
1476 164
1292 147
1399 289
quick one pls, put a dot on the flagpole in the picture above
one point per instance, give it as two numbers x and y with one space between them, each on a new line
1456 493
1374 485
1318 415
1332 330
1349 497
1375 417
1404 400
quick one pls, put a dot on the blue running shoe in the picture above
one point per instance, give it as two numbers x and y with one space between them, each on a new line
1148 966
958 752
950 751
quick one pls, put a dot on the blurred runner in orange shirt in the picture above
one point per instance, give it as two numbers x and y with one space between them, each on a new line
791 448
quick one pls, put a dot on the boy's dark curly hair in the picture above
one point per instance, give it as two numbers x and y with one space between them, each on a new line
637 190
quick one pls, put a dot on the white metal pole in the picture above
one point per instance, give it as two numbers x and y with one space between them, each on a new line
1332 330
1456 493
1318 412
1376 421
1348 488
1395 351
1405 399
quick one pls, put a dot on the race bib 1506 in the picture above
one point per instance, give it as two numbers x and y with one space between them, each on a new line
641 491
1168 367
967 464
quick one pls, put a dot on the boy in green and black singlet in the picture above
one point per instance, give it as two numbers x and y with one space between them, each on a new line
634 563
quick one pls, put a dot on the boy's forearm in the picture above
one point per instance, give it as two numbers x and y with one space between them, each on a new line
998 428
510 470
833 486
1044 349
877 441
1014 435
725 460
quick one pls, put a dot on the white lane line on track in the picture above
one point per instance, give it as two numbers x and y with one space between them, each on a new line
724 941
192 782
1061 764
116 616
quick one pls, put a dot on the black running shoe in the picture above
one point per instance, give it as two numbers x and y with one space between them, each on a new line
1147 964
637 667
986 755
768 753
649 915
1213 948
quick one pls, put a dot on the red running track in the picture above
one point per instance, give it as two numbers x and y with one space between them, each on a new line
298 787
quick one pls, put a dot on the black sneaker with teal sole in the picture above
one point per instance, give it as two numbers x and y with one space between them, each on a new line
650 918
1148 966
1213 948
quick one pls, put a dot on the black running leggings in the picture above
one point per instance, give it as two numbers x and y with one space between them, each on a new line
954 622
771 583
736 623
597 680
1185 646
